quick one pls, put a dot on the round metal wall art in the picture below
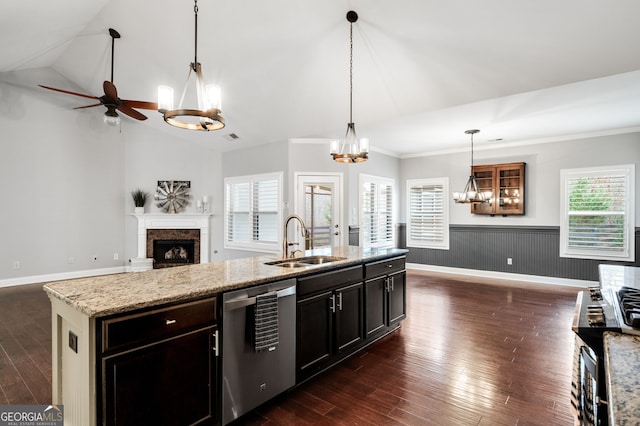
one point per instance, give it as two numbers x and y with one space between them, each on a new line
172 196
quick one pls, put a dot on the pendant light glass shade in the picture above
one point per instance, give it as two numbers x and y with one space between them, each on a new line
471 194
350 149
207 116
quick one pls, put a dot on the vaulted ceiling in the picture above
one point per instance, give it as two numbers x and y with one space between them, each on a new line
424 70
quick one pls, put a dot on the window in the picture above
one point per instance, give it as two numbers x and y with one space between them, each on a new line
376 211
597 219
252 217
428 213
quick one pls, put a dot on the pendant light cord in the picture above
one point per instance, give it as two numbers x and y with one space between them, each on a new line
195 55
472 153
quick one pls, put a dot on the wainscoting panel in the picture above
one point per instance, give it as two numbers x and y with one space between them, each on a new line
533 250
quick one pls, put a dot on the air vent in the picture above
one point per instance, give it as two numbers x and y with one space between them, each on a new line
231 137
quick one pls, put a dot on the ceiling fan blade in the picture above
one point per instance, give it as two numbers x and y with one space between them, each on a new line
140 104
110 90
89 106
131 112
68 92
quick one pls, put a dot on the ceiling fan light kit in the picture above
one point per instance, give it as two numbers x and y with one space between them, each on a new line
207 116
350 149
470 194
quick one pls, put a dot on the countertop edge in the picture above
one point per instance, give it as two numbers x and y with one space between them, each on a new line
120 293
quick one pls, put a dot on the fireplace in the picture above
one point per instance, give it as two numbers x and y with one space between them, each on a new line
173 247
173 239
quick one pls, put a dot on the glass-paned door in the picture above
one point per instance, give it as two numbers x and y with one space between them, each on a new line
318 203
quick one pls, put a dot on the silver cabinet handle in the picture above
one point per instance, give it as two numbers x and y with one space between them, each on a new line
332 307
170 321
340 301
392 283
215 342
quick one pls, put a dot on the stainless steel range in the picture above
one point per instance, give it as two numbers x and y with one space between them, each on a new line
614 305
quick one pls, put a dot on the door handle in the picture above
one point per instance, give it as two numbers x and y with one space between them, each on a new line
340 301
332 306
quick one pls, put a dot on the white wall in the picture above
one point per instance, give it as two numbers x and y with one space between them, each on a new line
62 178
67 181
542 184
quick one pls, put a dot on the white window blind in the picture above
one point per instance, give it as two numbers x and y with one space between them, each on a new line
597 214
252 217
428 213
376 211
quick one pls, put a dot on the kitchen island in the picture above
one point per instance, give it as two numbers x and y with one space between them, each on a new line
102 322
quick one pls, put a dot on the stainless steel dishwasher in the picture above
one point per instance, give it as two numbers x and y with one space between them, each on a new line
251 375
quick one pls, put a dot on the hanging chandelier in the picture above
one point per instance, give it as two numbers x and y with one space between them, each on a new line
470 194
207 116
350 149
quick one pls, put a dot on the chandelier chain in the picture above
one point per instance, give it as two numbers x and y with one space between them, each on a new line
351 72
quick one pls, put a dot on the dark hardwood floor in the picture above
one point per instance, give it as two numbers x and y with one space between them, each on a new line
471 352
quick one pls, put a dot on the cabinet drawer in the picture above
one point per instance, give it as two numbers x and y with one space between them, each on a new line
329 280
136 329
384 267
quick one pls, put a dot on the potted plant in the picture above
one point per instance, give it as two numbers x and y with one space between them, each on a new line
139 200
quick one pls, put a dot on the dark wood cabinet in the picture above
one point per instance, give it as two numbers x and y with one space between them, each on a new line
385 296
330 311
505 183
160 367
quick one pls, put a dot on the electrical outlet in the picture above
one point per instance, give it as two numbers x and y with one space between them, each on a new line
509 261
115 256
73 341
16 264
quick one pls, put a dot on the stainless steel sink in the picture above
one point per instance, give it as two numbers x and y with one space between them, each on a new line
304 261
317 260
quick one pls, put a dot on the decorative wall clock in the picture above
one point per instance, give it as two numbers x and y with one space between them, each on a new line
172 195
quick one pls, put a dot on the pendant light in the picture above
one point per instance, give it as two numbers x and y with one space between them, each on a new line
207 116
350 149
470 194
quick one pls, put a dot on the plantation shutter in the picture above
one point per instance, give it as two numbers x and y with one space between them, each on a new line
597 218
377 211
265 211
252 216
428 224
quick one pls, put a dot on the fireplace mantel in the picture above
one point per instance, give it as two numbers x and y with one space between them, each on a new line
174 221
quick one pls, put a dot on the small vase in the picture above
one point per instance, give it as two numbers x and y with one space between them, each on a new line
139 210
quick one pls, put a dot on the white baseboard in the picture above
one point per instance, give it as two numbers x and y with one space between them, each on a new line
60 276
503 275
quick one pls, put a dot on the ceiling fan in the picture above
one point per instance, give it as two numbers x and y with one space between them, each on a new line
110 98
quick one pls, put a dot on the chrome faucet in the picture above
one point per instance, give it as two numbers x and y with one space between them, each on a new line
285 241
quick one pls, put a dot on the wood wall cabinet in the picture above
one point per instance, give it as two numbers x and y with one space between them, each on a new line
506 184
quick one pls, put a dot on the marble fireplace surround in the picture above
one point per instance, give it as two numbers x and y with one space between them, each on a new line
178 221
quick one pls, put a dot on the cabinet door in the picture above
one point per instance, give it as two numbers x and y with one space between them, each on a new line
375 295
314 333
510 189
397 298
349 310
485 178
170 383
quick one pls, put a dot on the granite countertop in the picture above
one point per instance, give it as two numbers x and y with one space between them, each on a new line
118 293
622 365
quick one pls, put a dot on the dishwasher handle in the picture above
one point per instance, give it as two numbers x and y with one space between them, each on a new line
234 304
